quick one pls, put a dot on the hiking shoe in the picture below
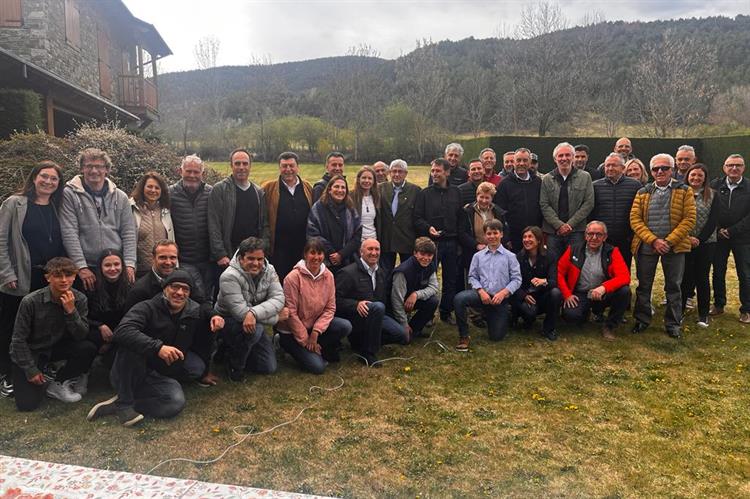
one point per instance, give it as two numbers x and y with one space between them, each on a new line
714 310
608 334
702 321
550 335
80 384
463 344
106 408
63 391
745 317
6 386
674 333
639 327
235 375
128 416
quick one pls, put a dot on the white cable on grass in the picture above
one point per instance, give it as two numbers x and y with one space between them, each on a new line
245 436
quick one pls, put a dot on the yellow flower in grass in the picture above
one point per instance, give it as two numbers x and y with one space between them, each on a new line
538 397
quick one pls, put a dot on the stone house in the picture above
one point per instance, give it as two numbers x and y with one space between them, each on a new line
89 60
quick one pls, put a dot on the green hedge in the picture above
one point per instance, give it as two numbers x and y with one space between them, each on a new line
710 150
20 111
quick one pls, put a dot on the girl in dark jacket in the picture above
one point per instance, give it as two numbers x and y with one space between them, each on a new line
335 221
703 240
538 293
107 301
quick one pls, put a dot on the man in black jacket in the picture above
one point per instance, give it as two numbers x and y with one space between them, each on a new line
613 198
361 296
149 285
155 350
189 210
733 235
518 197
334 166
436 216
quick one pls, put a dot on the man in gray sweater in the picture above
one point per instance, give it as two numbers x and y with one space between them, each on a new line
95 216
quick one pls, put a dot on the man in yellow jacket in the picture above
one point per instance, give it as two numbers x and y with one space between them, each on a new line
662 216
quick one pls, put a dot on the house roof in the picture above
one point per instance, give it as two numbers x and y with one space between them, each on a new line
143 33
19 72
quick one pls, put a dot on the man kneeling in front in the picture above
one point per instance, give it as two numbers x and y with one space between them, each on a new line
154 354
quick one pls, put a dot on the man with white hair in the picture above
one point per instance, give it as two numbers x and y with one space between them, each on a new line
662 216
566 199
397 199
189 209
684 159
381 172
454 152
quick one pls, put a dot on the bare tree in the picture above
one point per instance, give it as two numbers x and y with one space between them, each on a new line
206 52
672 84
475 92
545 84
732 107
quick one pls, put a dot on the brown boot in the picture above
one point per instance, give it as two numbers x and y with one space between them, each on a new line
607 334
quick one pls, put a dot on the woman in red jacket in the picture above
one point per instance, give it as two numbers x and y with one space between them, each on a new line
311 334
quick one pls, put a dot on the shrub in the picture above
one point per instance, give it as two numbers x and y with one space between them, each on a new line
20 110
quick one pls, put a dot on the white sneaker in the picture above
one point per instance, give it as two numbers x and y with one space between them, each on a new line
81 384
63 391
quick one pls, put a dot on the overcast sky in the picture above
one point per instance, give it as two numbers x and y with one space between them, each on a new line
289 30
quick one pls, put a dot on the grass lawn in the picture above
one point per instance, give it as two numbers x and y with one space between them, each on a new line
641 417
644 416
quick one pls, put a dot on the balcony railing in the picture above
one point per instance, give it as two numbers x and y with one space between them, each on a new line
138 92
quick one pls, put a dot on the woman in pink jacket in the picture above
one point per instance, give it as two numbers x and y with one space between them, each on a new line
311 334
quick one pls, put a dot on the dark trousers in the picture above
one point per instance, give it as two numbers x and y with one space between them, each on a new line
624 246
556 245
547 303
673 265
498 316
424 311
697 267
152 387
249 351
741 254
388 259
8 310
209 274
447 257
78 356
369 333
329 341
617 303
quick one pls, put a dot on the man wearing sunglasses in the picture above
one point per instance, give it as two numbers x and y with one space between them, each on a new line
662 216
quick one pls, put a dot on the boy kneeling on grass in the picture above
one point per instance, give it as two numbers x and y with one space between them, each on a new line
494 275
51 325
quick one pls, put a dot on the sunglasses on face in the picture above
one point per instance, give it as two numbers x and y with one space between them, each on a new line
661 168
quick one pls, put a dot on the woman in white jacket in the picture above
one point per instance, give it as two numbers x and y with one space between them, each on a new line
153 222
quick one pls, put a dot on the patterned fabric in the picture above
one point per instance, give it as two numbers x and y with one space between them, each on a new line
63 481
702 211
151 230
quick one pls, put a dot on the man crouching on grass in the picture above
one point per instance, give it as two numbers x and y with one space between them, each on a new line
154 351
494 275
51 325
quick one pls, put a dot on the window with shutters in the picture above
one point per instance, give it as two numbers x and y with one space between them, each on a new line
72 23
10 13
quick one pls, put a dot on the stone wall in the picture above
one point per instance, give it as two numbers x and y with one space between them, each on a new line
41 40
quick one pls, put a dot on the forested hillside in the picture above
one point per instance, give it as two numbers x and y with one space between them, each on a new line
669 78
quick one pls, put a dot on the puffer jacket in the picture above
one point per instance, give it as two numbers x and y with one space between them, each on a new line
681 218
166 219
190 219
311 301
580 200
612 203
86 232
239 294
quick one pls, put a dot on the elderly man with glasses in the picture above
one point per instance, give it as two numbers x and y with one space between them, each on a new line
662 216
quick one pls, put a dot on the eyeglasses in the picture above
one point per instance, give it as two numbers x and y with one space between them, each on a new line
95 166
734 165
48 178
661 169
180 287
595 234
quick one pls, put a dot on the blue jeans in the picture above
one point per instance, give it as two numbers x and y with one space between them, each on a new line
249 351
369 333
150 386
329 341
424 310
547 303
498 316
617 302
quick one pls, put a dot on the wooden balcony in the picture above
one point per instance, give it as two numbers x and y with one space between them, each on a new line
139 95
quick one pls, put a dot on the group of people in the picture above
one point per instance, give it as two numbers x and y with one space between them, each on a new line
165 283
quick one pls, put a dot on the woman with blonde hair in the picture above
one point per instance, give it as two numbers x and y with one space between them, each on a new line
637 170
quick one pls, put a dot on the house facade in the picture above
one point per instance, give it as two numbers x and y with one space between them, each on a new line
89 60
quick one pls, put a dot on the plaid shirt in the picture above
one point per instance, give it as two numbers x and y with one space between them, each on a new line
41 323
